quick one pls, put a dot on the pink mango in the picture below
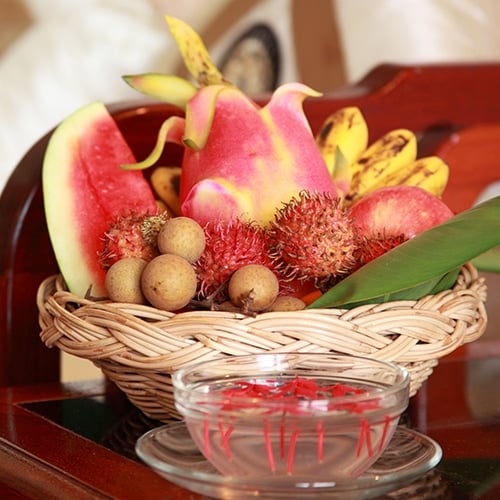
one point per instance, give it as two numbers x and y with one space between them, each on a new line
245 161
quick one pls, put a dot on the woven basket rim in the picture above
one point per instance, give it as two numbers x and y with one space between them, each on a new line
138 347
92 322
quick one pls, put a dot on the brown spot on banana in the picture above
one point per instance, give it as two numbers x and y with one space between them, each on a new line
394 151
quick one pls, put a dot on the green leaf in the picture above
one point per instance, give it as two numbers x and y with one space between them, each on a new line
488 261
430 287
427 257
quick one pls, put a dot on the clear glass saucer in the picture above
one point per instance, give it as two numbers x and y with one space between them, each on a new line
170 451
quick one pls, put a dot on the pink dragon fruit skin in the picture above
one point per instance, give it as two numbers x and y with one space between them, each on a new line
240 160
244 161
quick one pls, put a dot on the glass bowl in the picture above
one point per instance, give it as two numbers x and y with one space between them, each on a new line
323 417
405 465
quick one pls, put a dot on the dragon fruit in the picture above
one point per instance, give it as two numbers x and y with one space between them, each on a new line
240 160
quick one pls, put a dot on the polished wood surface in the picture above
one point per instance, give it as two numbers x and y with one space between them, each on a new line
42 460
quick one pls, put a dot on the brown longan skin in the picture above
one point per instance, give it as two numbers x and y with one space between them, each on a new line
182 236
123 280
253 287
287 303
169 282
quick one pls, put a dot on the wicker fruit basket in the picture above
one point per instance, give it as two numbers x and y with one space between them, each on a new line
138 347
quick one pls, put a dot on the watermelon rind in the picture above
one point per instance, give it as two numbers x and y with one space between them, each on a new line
85 190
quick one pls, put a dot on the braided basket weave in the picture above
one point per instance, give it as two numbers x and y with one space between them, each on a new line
138 347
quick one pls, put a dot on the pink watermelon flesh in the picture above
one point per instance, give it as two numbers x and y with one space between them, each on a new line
84 190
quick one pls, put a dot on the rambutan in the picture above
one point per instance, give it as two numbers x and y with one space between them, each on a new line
132 235
229 246
313 238
373 247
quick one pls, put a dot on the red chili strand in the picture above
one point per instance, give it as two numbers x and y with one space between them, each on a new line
269 447
368 435
361 436
384 432
225 441
291 451
321 439
282 438
220 425
298 388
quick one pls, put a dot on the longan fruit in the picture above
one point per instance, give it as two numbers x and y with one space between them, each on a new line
287 303
253 287
182 236
123 280
169 282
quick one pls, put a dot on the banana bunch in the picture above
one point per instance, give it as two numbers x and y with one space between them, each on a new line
389 161
342 138
165 183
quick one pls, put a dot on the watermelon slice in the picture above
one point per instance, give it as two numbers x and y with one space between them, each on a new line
84 190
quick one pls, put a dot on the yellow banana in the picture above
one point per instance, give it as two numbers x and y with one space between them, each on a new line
395 150
165 183
194 53
429 173
174 89
344 132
